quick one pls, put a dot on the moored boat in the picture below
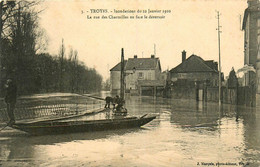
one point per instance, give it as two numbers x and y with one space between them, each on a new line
60 127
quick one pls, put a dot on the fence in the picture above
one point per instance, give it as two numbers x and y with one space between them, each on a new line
183 93
29 108
240 95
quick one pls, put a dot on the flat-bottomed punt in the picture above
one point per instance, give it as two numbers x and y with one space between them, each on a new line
61 127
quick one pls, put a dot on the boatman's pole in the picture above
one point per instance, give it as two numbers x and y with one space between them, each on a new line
122 79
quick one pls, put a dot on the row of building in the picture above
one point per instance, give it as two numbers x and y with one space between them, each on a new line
143 76
198 77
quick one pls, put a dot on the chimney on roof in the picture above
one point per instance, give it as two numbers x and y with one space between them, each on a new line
152 56
135 56
183 55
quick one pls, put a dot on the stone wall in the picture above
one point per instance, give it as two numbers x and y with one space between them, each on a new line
246 96
228 96
241 95
183 93
212 94
197 76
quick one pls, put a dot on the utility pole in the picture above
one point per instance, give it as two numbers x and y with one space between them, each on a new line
122 83
219 62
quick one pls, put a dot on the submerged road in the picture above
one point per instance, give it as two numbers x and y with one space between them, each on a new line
185 133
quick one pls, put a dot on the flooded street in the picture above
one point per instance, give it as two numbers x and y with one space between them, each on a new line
185 133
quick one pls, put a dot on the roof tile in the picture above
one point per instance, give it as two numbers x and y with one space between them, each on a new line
118 66
141 63
194 64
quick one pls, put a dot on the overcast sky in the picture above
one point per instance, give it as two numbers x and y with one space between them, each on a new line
190 26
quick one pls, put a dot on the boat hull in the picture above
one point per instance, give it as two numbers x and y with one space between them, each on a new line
46 128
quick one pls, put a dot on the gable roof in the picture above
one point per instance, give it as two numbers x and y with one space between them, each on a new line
142 63
193 64
139 64
118 66
212 64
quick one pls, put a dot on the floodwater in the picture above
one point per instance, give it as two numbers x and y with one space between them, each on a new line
185 133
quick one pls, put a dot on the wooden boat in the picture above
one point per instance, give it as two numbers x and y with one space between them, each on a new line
60 127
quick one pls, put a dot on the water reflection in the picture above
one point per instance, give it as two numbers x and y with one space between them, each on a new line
185 132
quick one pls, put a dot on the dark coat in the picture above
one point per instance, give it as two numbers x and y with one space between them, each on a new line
11 93
109 99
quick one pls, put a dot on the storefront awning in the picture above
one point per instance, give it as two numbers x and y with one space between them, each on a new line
246 69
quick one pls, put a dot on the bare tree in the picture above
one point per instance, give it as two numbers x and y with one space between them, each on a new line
18 24
61 58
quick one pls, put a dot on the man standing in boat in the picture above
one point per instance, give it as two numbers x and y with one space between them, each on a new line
10 99
108 100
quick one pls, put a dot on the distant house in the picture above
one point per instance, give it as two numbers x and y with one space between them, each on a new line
196 70
193 72
142 76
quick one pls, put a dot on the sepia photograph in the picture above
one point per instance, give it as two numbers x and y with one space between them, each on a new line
129 83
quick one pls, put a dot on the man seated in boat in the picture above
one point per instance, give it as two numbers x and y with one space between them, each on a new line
115 101
120 105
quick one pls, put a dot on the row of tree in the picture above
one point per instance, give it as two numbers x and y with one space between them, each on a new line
22 56
64 74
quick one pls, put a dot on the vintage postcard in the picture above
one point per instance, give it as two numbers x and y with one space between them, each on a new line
130 83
